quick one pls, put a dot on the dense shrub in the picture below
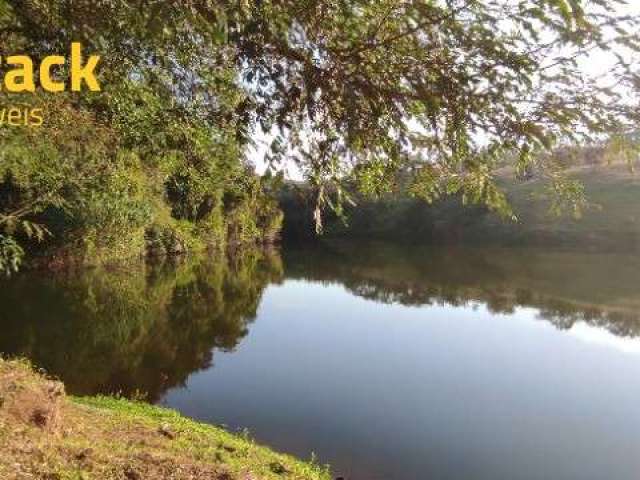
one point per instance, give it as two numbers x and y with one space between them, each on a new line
146 166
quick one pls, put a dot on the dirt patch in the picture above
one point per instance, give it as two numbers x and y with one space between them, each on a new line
43 436
25 399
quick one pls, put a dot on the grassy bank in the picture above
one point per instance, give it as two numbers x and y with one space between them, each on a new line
46 434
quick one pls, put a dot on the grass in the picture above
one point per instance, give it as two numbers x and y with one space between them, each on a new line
44 434
612 192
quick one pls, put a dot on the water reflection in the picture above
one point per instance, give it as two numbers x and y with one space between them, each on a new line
139 330
147 328
391 363
565 287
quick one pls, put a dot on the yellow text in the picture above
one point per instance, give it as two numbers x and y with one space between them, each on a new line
20 76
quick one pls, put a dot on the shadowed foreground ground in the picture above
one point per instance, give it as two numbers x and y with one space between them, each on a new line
44 434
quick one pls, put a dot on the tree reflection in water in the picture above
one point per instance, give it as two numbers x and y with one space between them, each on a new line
146 328
565 287
136 331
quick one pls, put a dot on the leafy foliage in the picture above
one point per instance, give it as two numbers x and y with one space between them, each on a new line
147 164
11 255
459 84
352 91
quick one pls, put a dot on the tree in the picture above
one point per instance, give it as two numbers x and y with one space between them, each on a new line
356 87
144 166
354 90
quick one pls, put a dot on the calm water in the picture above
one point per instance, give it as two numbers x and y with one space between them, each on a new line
387 363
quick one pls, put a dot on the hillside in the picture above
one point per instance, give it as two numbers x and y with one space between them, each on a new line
610 221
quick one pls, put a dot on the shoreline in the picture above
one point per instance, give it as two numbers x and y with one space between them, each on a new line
46 434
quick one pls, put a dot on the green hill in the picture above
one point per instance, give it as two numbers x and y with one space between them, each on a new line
610 221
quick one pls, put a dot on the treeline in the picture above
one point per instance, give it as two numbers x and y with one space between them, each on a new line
151 165
600 215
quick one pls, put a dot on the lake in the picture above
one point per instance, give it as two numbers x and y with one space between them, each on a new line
386 362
